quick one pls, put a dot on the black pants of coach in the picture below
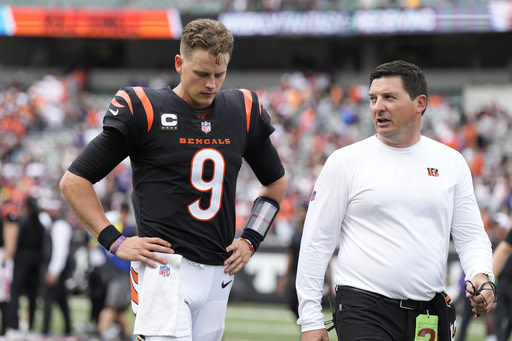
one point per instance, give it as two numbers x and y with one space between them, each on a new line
366 316
502 317
56 294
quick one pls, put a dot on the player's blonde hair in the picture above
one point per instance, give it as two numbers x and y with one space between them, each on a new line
206 34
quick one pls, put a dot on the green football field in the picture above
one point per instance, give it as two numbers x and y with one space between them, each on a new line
249 322
244 322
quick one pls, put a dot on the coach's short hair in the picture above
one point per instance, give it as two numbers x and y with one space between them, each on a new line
413 78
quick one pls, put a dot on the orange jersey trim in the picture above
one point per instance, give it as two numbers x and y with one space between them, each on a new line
248 106
148 108
123 95
117 104
135 280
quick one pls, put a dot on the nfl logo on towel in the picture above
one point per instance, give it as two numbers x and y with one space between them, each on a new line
206 127
165 271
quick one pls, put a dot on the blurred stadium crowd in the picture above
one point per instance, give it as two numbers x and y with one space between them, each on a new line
45 125
216 6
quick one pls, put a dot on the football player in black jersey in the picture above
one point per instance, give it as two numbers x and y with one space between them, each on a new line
186 147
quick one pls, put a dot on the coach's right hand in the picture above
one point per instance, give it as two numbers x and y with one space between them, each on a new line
315 335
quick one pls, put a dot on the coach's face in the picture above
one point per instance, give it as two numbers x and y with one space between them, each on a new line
202 77
396 116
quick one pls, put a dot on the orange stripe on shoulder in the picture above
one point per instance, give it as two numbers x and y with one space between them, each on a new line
148 108
123 95
115 103
248 106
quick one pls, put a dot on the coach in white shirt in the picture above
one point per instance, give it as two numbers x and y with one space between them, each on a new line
392 201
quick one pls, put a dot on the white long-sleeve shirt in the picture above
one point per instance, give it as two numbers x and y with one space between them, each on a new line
392 210
61 233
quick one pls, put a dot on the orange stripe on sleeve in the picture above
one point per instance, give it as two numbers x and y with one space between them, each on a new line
248 106
116 103
124 95
148 108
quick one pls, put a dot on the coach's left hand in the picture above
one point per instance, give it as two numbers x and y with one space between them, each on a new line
483 302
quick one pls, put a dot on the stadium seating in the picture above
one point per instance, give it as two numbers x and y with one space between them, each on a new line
216 6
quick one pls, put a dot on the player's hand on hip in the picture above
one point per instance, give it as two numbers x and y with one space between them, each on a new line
240 255
143 249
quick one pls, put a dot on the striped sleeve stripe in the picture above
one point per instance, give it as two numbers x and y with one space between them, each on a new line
248 106
148 108
123 95
146 104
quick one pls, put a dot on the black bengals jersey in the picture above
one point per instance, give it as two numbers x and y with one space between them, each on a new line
185 166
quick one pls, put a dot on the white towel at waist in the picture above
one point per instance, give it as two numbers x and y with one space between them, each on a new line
161 310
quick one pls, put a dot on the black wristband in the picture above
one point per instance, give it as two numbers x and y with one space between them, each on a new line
108 236
254 237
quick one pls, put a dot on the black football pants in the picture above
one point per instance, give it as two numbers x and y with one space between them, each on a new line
370 317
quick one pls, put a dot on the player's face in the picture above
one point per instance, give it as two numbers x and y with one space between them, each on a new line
396 117
201 77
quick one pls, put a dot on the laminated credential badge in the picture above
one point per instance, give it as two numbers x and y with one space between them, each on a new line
426 327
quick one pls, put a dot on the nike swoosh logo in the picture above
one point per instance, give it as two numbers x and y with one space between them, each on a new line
114 112
223 285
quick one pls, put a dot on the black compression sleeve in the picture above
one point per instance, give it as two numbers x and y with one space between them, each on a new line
265 162
100 156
